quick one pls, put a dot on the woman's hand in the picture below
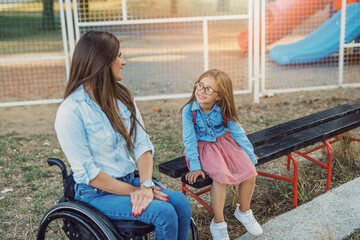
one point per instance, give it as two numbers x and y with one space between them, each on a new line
158 195
140 200
192 176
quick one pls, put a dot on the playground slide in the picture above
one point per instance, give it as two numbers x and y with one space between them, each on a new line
322 42
282 17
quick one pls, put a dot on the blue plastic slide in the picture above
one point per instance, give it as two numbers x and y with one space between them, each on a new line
322 42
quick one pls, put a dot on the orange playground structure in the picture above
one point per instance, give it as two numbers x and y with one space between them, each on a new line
284 15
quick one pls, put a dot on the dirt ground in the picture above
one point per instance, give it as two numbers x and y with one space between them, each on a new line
158 115
40 118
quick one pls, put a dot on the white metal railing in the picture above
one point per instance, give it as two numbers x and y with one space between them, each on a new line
43 57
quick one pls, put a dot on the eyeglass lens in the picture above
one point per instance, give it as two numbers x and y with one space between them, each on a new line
208 90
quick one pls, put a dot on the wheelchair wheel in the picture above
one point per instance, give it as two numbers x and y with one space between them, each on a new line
73 221
193 232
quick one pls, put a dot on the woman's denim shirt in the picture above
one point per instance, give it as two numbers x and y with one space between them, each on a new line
89 141
207 128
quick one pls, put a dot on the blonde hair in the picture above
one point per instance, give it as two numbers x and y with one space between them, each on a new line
225 91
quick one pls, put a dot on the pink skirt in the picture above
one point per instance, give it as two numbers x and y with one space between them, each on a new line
224 161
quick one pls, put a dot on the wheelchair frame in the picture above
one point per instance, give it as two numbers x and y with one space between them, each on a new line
71 219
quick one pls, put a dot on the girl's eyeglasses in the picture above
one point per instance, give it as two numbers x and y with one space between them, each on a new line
208 90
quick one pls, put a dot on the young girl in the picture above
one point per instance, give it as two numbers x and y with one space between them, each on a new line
216 144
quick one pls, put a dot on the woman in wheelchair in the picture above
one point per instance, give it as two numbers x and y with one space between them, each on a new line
97 126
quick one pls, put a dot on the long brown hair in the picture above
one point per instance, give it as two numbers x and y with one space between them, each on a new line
91 65
225 91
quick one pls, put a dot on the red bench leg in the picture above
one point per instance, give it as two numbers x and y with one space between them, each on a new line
196 196
327 143
327 166
294 180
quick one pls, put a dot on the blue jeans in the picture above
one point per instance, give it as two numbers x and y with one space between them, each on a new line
171 220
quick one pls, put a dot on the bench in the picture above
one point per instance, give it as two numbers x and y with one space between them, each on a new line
284 140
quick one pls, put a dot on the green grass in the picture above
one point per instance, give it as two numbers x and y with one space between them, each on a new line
37 187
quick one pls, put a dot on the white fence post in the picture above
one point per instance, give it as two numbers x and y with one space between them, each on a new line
206 45
262 38
124 10
64 38
250 45
70 27
342 41
256 49
76 20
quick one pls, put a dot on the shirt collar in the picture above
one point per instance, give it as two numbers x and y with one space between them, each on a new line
195 106
81 95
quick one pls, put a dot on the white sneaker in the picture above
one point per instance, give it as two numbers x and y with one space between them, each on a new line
249 221
219 230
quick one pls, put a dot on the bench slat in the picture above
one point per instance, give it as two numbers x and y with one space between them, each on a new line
287 128
307 137
173 168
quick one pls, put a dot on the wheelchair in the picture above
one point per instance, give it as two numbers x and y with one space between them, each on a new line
71 219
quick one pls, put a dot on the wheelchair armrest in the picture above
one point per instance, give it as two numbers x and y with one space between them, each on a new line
60 164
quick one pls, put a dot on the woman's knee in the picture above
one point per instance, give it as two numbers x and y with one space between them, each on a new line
163 211
180 202
164 217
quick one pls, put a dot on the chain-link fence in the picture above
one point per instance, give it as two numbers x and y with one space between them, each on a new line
168 44
32 62
298 45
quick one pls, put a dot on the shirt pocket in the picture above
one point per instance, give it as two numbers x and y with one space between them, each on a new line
96 133
219 128
200 131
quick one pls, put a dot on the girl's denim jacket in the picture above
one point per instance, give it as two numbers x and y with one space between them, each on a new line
89 141
207 128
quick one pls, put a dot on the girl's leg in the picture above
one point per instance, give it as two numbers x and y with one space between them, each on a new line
218 226
245 215
246 190
218 193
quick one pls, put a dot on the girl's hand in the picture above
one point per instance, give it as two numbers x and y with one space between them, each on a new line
192 176
140 199
158 195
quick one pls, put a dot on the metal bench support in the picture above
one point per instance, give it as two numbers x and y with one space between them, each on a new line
196 196
327 166
294 180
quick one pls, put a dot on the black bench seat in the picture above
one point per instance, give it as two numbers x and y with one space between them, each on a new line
285 138
266 135
301 139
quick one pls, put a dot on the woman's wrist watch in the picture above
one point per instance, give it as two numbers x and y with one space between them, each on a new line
148 184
